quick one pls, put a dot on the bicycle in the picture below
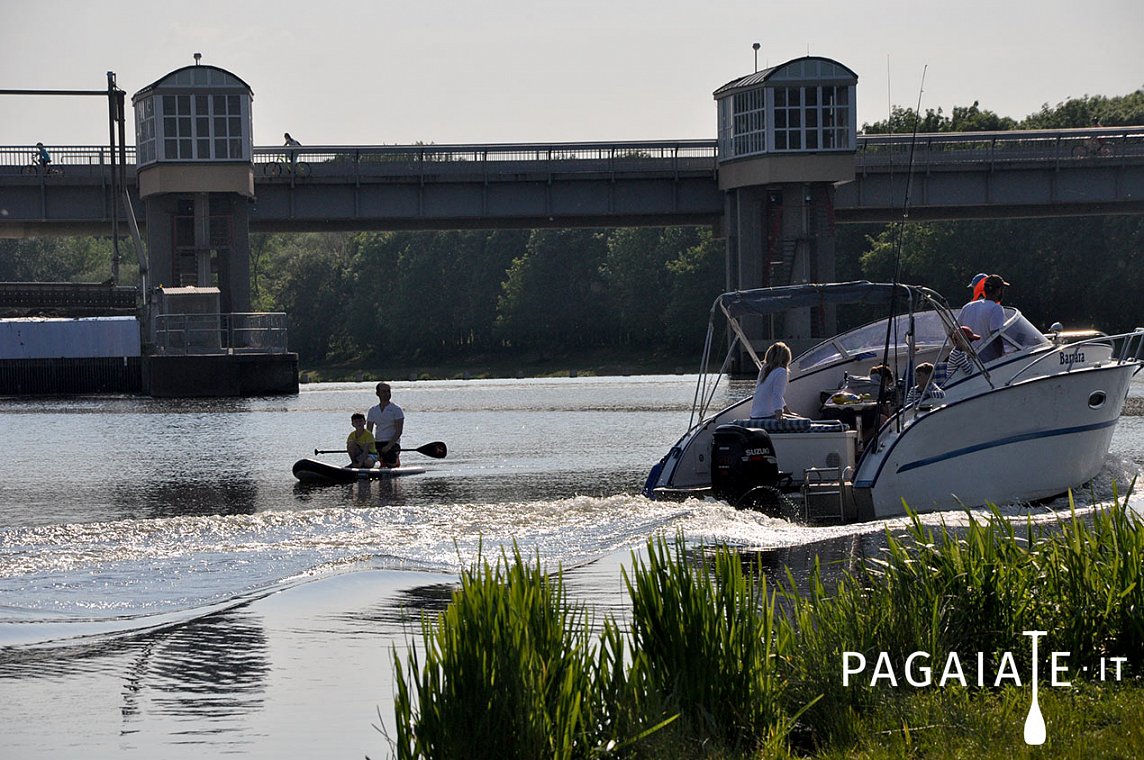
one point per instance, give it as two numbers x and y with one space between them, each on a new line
279 168
1093 146
35 166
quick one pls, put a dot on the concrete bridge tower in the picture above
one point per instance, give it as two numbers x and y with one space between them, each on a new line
194 142
194 146
787 135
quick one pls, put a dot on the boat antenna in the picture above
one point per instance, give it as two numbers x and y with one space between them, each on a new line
892 323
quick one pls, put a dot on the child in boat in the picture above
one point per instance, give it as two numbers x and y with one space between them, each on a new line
888 389
360 444
958 360
923 390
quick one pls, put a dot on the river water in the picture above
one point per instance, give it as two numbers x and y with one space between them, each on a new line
167 589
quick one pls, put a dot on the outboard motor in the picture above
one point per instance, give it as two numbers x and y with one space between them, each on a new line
744 468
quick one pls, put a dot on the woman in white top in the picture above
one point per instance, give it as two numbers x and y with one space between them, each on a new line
772 383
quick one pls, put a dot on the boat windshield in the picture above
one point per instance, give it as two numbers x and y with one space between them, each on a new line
867 341
1020 334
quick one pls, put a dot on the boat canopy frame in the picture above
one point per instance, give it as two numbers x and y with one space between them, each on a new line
737 304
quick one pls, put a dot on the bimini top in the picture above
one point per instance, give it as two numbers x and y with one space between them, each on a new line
761 301
806 70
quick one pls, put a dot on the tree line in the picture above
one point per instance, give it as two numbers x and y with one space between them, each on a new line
360 299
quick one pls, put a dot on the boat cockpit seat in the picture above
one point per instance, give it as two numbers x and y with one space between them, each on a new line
791 425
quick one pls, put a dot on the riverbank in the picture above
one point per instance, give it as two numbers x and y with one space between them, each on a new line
602 362
924 652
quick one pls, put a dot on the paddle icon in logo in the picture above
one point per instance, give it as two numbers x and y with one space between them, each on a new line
1035 722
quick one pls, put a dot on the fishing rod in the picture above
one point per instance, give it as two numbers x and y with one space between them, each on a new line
892 323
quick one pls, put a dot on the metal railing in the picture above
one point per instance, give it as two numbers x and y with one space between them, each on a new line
62 155
485 161
1130 344
208 334
968 149
874 152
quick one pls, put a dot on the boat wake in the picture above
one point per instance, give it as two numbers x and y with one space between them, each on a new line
70 584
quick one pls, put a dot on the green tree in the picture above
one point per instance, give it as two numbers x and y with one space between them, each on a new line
65 259
1124 110
313 282
638 280
698 275
554 293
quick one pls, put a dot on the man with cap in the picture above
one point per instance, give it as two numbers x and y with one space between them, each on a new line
977 284
986 317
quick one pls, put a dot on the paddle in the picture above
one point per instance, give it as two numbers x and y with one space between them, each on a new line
436 449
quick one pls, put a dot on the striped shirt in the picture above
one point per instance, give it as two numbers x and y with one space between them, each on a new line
931 392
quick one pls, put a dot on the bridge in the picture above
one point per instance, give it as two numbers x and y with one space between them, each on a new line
650 183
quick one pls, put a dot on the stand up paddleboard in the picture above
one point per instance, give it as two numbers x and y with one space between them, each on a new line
313 471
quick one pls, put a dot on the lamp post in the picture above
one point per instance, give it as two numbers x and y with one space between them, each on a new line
756 47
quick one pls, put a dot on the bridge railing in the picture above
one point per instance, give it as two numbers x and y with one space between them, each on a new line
233 333
875 152
66 156
486 160
950 149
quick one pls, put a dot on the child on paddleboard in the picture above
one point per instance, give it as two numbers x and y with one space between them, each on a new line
360 444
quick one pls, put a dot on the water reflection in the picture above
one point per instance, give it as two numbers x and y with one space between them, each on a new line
185 497
214 667
405 611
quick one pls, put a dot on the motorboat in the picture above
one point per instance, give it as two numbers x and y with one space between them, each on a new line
1029 424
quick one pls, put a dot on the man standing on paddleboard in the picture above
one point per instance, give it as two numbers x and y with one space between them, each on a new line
386 421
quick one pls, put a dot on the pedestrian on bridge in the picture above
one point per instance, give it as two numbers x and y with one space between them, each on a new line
292 143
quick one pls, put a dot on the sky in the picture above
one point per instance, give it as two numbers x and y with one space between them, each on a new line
449 72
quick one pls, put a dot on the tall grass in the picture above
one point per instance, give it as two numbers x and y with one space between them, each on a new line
705 640
510 669
1091 586
970 590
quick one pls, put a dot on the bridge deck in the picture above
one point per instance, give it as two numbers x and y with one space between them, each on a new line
956 175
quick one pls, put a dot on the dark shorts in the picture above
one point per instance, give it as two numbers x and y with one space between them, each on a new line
387 457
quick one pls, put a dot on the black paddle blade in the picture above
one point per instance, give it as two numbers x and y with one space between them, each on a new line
436 449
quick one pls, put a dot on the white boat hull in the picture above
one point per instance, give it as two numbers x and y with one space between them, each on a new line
1030 424
1031 440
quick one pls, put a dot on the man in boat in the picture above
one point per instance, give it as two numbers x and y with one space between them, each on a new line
360 444
986 317
977 285
385 421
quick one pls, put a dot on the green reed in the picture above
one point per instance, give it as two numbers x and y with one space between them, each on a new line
706 642
511 669
1095 574
969 590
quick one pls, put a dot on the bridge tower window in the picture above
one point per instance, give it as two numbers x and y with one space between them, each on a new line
195 114
750 122
145 131
802 106
177 127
